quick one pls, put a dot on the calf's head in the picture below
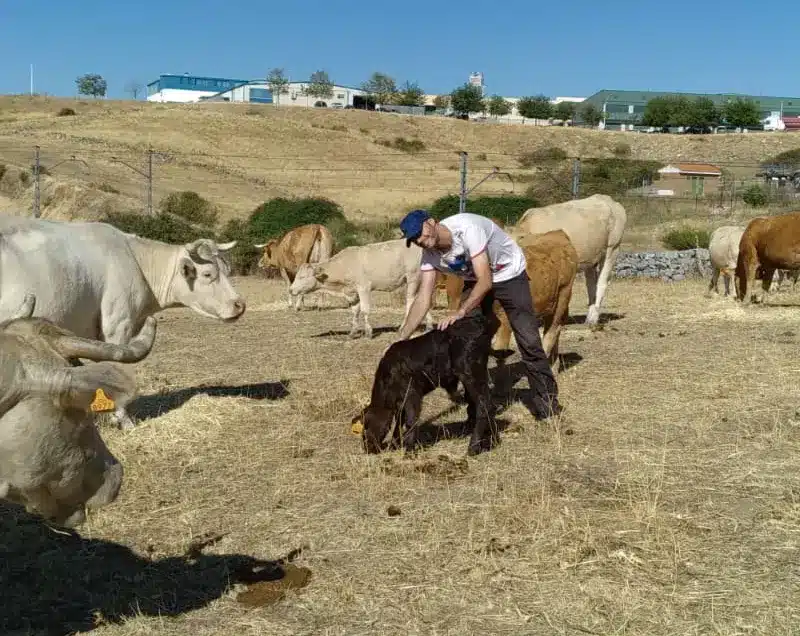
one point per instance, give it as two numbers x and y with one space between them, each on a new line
376 425
308 278
202 281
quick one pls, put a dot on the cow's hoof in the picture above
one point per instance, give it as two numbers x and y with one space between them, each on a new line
592 316
481 446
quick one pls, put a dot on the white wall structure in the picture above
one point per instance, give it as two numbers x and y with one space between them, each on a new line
187 88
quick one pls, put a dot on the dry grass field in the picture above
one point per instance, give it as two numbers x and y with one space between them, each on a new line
666 499
239 155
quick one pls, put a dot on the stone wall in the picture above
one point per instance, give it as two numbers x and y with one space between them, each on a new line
669 266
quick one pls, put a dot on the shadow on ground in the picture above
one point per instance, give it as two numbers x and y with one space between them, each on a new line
56 582
148 406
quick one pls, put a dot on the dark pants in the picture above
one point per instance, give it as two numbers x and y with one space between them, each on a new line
515 298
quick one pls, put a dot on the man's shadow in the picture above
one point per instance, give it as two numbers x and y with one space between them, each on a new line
57 582
504 376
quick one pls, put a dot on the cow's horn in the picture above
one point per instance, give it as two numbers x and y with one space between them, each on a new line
136 350
260 245
225 247
26 308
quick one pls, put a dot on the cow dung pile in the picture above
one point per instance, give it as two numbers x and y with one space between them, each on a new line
442 466
269 592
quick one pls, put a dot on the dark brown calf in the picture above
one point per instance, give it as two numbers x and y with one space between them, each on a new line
412 368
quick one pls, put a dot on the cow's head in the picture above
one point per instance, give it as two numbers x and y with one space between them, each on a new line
202 284
269 256
309 277
52 458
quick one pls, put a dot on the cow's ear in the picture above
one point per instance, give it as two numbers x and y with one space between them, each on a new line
320 275
188 270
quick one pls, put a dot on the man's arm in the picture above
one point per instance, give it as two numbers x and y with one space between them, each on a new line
483 283
421 304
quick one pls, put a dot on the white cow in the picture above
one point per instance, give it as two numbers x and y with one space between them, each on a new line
355 272
723 251
101 283
52 458
595 226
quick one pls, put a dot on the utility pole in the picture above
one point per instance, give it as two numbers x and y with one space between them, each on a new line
576 177
462 199
36 191
31 79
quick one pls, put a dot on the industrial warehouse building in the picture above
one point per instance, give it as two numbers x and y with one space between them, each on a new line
190 88
624 109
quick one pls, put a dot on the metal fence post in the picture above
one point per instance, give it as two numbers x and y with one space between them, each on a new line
36 190
462 198
576 177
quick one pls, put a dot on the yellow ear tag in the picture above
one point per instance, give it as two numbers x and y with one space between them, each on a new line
102 402
357 428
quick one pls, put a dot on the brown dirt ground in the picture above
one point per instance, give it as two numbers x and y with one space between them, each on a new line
666 500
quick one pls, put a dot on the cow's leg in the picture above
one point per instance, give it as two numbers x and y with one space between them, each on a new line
590 273
479 409
727 282
776 280
356 309
712 286
411 411
603 278
364 303
120 332
766 283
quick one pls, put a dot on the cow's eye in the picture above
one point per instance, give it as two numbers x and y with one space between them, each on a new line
206 274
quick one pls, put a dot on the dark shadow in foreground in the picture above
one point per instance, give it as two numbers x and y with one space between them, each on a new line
56 582
605 317
146 406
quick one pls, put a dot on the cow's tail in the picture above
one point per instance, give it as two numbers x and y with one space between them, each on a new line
322 247
746 266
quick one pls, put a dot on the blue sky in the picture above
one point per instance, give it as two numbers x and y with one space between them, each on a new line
563 48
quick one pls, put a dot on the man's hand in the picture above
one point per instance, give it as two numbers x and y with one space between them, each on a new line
444 324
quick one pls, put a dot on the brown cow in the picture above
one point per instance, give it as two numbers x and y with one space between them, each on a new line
312 243
768 243
552 264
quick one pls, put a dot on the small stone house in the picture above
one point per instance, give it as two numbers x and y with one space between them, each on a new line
690 179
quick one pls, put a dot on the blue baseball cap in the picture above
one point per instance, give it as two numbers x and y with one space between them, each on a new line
411 225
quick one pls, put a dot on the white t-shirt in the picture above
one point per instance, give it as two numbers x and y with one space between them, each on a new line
473 234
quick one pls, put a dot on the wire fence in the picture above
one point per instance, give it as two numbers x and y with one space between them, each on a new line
145 175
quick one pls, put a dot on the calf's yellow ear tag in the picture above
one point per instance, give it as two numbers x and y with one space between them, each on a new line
101 402
357 426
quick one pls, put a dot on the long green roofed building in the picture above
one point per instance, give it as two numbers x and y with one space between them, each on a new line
627 107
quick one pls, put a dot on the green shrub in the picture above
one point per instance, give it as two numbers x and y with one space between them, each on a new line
274 218
790 157
549 154
2 170
161 227
755 196
65 112
401 143
347 233
685 238
42 169
190 206
621 150
505 208
24 178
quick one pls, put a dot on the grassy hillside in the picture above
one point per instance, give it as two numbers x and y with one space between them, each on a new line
238 155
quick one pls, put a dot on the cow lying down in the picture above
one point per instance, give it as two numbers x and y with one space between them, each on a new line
412 368
52 458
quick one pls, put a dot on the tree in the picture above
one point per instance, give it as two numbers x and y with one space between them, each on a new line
410 95
497 106
565 111
742 112
591 114
537 107
467 99
91 84
703 113
441 102
672 110
278 84
319 85
133 88
381 88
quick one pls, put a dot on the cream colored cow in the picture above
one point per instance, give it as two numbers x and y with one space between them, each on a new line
723 250
595 226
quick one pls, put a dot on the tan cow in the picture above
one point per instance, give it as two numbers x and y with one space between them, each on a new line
356 271
767 244
595 226
52 458
552 264
312 243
